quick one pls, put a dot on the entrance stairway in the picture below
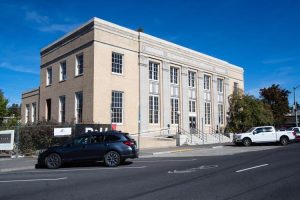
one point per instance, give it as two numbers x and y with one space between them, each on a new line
197 137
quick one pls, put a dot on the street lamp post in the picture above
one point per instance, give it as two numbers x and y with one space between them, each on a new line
178 115
295 106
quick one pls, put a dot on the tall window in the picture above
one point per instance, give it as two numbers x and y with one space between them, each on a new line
207 113
153 109
192 106
153 71
192 79
235 88
79 64
220 113
117 107
78 106
33 112
62 109
27 116
220 85
49 76
174 75
174 110
117 63
206 82
48 107
63 71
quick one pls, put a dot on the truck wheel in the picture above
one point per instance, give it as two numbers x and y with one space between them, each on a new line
246 142
284 141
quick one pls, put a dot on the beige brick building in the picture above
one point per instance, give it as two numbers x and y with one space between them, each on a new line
105 73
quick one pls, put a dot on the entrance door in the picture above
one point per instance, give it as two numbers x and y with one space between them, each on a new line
192 124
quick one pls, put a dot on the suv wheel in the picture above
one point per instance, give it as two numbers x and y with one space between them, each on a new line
53 161
246 142
112 159
284 141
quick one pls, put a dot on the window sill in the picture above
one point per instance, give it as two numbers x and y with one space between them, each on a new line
79 75
48 85
118 124
117 74
62 81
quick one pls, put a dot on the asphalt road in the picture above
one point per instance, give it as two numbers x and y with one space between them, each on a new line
269 174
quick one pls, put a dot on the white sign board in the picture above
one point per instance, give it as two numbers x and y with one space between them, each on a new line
62 132
7 140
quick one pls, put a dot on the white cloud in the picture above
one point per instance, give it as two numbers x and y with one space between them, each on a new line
45 23
58 28
35 17
278 60
22 69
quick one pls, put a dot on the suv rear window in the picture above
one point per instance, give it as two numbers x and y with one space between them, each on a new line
112 138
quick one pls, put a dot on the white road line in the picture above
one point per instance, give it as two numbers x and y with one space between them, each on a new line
241 170
33 180
93 169
158 161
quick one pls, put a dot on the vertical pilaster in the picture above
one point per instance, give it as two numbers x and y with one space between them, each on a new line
214 114
144 93
226 101
200 100
166 105
184 99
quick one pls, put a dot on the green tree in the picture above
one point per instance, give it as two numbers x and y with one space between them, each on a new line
3 106
246 111
277 99
14 110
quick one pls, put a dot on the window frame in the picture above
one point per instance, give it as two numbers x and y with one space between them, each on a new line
49 76
174 75
77 67
192 106
221 114
153 109
115 110
152 71
192 79
114 64
33 112
27 113
174 110
220 85
62 117
78 109
207 113
63 73
207 82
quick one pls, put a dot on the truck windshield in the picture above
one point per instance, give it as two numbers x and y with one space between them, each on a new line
250 130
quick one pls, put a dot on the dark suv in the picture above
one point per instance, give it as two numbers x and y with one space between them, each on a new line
113 147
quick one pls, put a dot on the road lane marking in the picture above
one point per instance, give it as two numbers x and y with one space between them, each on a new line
34 180
241 170
93 169
193 169
155 161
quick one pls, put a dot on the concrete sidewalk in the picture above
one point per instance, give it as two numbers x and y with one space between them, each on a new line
8 164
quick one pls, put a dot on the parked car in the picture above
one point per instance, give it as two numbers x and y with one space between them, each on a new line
297 132
111 147
263 134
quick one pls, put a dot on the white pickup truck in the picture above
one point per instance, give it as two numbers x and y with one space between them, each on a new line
263 134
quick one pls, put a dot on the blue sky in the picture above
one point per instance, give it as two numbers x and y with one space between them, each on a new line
261 36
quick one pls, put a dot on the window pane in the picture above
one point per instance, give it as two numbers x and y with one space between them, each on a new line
117 107
117 63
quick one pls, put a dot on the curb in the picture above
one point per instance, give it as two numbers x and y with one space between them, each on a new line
16 169
174 151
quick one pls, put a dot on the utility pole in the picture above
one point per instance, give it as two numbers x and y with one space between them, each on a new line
295 105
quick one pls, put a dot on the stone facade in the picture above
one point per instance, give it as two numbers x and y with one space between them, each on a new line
97 40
